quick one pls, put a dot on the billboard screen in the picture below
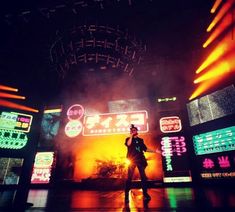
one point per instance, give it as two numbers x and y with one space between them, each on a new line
213 106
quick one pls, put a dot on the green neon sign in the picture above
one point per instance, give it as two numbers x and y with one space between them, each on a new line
15 121
215 141
12 139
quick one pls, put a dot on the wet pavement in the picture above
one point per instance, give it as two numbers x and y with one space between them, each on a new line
162 199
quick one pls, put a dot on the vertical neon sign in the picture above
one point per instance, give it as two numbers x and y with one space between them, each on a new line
42 168
174 155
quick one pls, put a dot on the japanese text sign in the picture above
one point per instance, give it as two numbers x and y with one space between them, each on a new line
170 124
42 167
115 123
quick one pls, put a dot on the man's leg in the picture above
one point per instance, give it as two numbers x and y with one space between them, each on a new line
144 182
130 173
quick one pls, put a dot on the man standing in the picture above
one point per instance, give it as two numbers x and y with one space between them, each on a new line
135 153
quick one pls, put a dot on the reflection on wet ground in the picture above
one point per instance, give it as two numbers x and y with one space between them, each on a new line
163 199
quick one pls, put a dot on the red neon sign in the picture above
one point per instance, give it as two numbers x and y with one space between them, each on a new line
114 123
170 124
75 112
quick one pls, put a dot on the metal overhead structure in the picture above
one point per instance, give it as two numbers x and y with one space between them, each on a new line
89 46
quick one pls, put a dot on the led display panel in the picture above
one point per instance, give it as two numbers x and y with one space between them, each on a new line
42 168
115 123
215 141
216 105
175 159
10 170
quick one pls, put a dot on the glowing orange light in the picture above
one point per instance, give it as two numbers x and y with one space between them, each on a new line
204 86
217 53
101 153
12 96
223 26
16 106
220 15
7 88
128 162
215 6
219 70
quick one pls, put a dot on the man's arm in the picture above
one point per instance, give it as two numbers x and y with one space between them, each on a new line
129 141
153 151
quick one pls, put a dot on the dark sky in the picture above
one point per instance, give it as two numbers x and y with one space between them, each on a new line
173 32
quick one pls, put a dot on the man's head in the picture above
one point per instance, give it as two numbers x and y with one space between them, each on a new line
133 130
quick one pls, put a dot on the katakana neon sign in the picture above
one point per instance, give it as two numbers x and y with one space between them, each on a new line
174 157
42 167
115 123
215 141
170 124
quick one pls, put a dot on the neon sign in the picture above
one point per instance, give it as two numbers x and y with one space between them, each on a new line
15 121
11 139
73 128
219 165
115 123
208 175
174 159
42 167
170 124
75 112
215 141
173 144
167 99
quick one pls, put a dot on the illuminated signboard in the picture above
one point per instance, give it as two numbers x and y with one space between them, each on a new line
215 141
170 124
174 159
216 166
13 130
167 99
10 170
15 121
42 167
73 128
114 123
213 106
75 112
11 139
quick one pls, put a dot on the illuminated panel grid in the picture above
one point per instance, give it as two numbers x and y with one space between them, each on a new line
213 106
215 141
115 123
42 168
